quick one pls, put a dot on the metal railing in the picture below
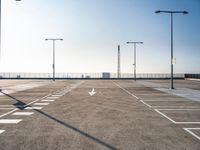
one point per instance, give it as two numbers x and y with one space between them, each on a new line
11 75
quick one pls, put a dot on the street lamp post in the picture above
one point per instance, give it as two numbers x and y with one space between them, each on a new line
171 14
0 29
53 40
134 56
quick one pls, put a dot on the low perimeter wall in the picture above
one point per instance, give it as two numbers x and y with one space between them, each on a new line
192 76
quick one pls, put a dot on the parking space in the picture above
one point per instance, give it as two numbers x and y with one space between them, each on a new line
182 110
174 103
181 116
194 131
62 115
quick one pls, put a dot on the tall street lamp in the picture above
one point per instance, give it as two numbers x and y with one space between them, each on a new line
53 40
134 55
0 29
171 14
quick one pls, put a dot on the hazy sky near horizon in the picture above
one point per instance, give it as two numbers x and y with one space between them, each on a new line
92 29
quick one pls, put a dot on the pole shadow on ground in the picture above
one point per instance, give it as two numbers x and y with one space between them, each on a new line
21 105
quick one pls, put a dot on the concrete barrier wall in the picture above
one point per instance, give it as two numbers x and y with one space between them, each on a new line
192 76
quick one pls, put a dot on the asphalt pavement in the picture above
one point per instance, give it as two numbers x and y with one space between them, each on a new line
120 115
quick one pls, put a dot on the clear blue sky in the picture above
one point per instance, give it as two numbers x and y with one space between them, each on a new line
92 29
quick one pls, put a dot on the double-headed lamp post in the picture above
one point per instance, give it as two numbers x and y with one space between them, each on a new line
134 56
172 59
53 40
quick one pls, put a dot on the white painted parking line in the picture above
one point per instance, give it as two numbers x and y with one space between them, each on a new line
184 107
43 104
33 107
8 112
7 108
57 95
165 100
10 121
145 103
1 131
125 90
175 122
171 106
164 115
192 133
27 106
36 100
23 113
52 97
47 100
180 109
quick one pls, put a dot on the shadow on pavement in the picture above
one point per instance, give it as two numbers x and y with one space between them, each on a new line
21 105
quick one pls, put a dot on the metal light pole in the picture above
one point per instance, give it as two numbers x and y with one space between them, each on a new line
0 30
171 14
118 64
54 55
134 56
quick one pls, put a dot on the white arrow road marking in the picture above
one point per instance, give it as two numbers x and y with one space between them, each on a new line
1 131
92 92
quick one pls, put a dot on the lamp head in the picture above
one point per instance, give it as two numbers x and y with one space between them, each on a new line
185 12
158 11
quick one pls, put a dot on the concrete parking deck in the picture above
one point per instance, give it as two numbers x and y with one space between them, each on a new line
122 114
